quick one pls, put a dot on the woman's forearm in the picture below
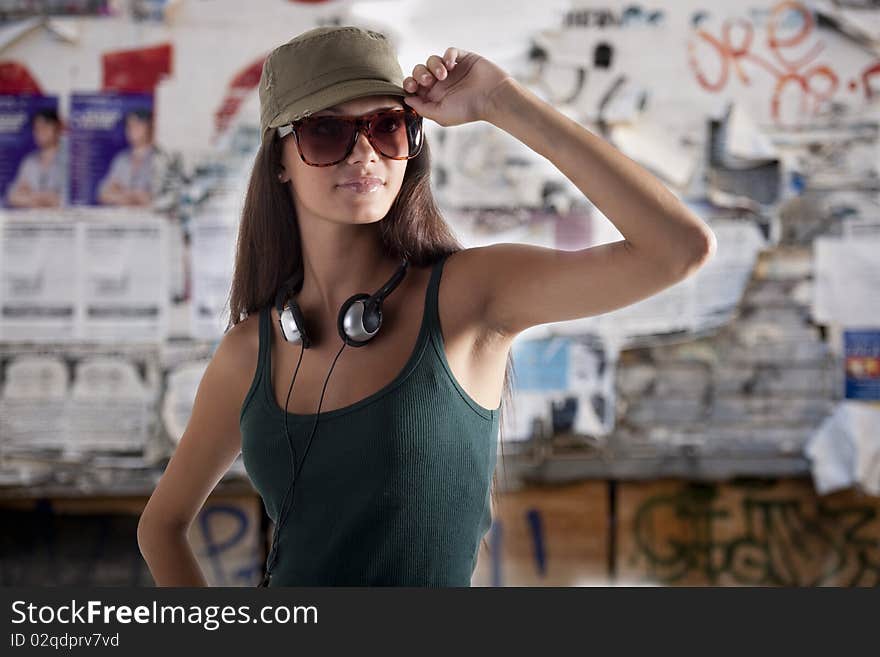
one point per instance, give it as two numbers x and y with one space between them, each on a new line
169 557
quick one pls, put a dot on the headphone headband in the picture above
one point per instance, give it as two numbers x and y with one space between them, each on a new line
289 287
388 288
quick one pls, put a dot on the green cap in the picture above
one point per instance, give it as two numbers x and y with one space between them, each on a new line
323 67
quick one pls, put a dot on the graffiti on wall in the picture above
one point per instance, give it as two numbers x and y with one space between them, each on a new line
789 29
547 536
227 544
757 536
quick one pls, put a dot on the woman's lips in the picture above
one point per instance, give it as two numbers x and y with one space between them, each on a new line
363 186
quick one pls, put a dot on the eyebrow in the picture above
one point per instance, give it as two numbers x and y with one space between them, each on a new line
376 109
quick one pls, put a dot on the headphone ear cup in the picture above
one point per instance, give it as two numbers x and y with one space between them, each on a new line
354 327
293 325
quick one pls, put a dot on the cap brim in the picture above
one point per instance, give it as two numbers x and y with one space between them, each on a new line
338 93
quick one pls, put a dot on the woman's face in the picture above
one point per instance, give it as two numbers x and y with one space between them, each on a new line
318 192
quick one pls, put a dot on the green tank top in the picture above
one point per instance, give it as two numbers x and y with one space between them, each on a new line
394 490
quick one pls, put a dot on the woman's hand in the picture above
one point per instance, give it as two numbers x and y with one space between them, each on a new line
454 89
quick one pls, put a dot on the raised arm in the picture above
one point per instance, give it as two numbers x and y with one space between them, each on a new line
664 242
518 286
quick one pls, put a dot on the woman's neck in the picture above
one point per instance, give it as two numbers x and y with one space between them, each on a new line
340 261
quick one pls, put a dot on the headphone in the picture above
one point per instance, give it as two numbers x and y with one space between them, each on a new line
359 317
358 322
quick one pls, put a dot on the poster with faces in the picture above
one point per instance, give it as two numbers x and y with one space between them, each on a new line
33 159
113 158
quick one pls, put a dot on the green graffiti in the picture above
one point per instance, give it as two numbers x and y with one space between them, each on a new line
782 541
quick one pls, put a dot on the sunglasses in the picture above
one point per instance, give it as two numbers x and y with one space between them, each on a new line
323 141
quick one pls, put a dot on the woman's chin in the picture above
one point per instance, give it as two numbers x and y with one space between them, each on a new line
361 215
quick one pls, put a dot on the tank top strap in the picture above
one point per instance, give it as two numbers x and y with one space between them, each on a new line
432 313
265 335
432 298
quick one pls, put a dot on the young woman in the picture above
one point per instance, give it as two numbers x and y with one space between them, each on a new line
376 471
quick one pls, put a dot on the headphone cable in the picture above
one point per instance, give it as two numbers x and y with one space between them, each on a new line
273 553
292 454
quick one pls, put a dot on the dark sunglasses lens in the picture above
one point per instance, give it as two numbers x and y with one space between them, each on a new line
397 134
325 140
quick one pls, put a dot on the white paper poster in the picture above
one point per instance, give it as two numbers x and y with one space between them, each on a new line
76 277
847 281
38 281
213 257
125 279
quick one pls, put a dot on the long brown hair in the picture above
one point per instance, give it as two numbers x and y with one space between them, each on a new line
269 252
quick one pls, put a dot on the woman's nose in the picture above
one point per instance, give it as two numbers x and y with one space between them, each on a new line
362 148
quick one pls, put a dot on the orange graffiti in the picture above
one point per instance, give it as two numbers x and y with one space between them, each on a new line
867 76
786 72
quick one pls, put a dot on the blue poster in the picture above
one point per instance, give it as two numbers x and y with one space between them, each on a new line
541 364
32 164
861 351
112 154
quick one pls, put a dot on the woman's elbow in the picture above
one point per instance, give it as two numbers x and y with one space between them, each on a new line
151 533
702 251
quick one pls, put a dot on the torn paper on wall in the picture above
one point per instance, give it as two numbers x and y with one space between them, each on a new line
847 280
845 450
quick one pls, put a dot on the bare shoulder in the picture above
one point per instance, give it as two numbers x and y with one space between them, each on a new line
460 271
242 341
464 296
235 359
477 353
